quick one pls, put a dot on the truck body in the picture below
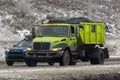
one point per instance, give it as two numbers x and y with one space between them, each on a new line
67 43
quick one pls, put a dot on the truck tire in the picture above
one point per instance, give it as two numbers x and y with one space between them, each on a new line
106 53
31 62
9 63
99 59
50 63
84 59
65 59
72 61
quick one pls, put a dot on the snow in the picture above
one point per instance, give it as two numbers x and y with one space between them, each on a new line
23 33
113 46
109 0
7 37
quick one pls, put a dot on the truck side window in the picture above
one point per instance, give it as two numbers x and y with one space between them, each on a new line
72 30
93 28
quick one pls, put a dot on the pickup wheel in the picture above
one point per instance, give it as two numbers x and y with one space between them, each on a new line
31 63
9 63
99 59
65 59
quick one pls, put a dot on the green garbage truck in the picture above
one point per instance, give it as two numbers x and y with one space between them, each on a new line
67 43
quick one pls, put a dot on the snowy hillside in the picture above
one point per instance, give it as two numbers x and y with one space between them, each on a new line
21 15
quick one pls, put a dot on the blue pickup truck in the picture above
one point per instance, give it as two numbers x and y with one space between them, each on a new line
18 52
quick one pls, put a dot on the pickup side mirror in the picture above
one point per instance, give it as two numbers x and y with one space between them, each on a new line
14 45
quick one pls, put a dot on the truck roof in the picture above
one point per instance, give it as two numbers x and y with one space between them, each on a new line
71 20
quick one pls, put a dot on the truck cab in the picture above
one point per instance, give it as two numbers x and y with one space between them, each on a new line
67 43
51 41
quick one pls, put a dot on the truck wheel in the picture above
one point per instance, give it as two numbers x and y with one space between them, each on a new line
98 59
50 63
9 63
72 61
65 59
84 59
31 62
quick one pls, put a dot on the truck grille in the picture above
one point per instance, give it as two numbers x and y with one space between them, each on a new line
41 45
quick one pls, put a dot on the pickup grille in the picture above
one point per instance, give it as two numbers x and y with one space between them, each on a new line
41 45
15 52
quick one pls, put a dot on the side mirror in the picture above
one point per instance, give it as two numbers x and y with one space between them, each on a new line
77 32
14 45
33 32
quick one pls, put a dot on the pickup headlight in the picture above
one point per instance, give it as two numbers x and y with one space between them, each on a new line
25 50
29 49
7 50
56 49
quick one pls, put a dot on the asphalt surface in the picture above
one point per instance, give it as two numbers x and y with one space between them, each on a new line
81 71
111 61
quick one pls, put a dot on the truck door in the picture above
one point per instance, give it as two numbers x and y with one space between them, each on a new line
73 39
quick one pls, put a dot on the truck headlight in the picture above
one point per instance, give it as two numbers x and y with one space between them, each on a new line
29 49
56 49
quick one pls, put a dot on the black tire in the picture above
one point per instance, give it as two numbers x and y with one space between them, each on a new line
106 52
9 63
72 61
31 62
99 59
51 63
84 59
65 59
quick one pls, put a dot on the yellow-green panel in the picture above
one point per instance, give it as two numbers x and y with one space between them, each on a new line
92 33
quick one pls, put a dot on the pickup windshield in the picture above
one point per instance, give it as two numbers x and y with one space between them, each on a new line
24 43
57 31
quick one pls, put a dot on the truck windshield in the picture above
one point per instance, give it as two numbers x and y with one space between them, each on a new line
57 31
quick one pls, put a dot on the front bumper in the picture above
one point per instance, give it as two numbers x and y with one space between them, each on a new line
44 54
15 57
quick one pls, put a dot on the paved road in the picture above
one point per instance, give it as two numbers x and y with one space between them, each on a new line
112 61
45 72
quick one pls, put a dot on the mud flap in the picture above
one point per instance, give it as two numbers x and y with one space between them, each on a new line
106 53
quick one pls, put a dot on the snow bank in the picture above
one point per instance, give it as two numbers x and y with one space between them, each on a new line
7 37
114 47
23 33
113 44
